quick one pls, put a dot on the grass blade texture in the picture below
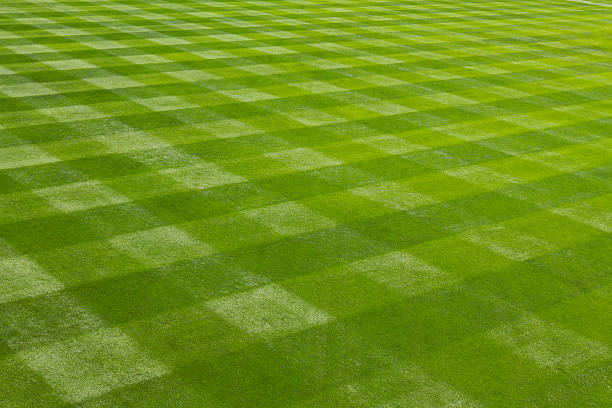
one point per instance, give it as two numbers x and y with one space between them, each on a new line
305 203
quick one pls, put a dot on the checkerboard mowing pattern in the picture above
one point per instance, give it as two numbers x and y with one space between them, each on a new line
305 203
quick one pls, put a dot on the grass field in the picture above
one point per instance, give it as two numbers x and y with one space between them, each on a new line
305 203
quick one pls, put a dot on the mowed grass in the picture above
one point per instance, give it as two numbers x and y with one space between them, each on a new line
305 203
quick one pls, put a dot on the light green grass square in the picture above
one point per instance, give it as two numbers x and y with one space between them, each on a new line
228 128
596 213
383 80
385 108
161 246
113 82
390 144
513 244
26 89
72 113
30 49
289 218
165 103
248 95
402 272
262 69
192 75
483 177
145 59
24 155
303 159
92 364
66 64
213 54
395 195
275 50
81 196
21 278
549 346
202 176
314 117
268 311
104 44
316 87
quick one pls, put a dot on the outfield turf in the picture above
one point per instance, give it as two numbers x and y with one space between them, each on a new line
305 203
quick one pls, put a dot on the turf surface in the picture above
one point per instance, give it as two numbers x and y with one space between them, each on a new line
305 203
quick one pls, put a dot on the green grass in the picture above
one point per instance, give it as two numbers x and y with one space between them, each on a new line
305 203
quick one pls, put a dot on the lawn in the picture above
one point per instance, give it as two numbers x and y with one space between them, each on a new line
305 203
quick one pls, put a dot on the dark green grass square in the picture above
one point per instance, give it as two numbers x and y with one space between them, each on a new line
586 314
393 124
470 153
585 266
117 219
496 376
46 233
346 176
471 212
183 207
225 149
305 253
528 287
45 175
142 186
558 190
188 206
296 186
296 376
32 322
102 167
21 386
431 321
345 207
147 293
526 142
340 293
350 152
398 230
85 262
391 167
230 232
25 205
460 257
443 187
186 335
